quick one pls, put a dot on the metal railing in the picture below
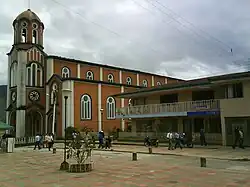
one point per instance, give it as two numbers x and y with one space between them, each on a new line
188 106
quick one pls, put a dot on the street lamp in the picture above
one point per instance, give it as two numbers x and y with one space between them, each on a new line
65 164
101 110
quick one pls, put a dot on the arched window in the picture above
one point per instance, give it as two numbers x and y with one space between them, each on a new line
13 77
145 83
158 83
110 78
90 75
86 108
129 81
24 32
34 33
65 72
110 108
33 74
28 76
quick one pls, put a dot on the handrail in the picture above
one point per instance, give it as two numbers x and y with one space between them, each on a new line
188 106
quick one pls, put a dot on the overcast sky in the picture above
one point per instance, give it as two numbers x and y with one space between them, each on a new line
186 40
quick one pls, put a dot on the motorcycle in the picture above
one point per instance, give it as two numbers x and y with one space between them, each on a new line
151 142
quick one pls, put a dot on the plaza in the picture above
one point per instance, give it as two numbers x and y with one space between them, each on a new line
27 168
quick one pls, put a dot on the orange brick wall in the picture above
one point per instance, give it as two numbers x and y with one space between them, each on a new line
133 76
114 72
146 77
59 64
81 88
86 68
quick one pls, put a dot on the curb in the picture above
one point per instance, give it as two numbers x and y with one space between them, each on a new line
170 154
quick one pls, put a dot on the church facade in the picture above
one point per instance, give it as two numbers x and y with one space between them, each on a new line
45 93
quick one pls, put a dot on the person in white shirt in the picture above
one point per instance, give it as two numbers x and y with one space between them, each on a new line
50 141
37 142
170 140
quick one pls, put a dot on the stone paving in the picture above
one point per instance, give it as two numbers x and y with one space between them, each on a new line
28 168
219 152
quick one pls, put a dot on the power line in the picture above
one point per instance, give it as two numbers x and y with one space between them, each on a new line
209 35
177 21
105 28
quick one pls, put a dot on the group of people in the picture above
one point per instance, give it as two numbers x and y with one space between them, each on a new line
47 142
181 139
104 142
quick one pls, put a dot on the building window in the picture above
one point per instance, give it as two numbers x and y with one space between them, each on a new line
24 32
234 91
90 75
158 83
86 108
129 81
110 78
13 72
65 72
145 83
110 108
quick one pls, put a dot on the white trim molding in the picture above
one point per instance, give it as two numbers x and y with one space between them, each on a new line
101 74
166 80
99 104
79 71
153 80
137 79
50 68
120 76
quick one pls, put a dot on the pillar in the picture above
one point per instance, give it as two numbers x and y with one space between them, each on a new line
133 123
223 131
21 93
180 125
99 106
8 90
122 106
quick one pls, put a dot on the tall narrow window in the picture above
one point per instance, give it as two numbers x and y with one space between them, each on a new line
24 36
34 74
34 36
86 108
28 76
110 108
65 72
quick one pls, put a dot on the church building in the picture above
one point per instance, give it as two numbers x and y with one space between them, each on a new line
46 93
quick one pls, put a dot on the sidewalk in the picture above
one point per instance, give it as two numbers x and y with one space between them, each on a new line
209 152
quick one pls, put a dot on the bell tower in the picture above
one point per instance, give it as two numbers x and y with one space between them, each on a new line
25 73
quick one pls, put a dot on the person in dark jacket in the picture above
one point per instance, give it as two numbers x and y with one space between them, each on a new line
100 138
236 137
203 138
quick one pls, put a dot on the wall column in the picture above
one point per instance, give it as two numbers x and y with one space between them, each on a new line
122 106
21 93
223 130
99 107
8 90
47 108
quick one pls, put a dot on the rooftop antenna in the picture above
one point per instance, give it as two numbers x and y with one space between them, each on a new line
29 4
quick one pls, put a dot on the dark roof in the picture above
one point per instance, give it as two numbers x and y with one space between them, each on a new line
28 14
108 66
188 84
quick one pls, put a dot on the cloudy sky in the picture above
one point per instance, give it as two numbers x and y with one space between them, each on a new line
190 39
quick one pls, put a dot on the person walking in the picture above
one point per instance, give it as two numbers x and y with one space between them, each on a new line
170 140
203 138
50 141
236 137
37 142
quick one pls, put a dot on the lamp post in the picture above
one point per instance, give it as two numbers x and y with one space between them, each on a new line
65 164
101 110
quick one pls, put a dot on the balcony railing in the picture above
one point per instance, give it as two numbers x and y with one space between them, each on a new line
190 106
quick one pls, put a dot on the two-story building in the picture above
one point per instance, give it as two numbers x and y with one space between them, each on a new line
218 104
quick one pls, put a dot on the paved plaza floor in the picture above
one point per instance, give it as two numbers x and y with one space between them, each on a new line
28 168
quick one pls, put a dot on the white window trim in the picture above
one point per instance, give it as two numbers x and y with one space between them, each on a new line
89 111
90 77
111 108
110 78
65 74
158 83
145 83
129 81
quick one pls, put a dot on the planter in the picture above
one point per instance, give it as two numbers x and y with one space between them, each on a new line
81 168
